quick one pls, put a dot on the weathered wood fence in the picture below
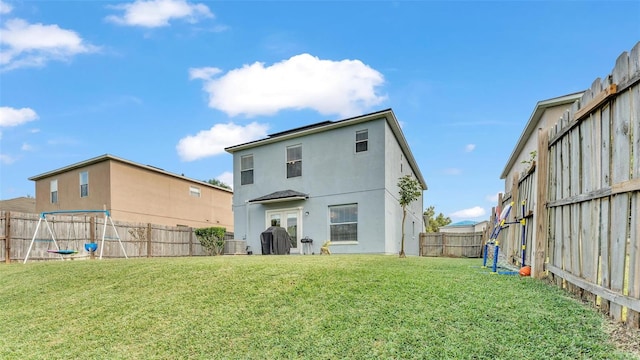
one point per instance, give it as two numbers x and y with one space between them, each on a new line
587 196
451 244
72 232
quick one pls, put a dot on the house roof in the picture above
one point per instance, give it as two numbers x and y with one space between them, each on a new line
540 108
284 195
19 204
462 223
107 157
330 125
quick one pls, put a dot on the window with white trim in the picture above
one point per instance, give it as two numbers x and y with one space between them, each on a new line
246 169
362 140
84 184
194 191
343 222
294 161
53 188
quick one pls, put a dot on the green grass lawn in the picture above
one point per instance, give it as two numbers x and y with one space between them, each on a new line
279 307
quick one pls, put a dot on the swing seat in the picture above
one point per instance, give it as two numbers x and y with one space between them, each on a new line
91 247
63 251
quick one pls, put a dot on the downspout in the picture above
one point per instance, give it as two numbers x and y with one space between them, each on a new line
246 233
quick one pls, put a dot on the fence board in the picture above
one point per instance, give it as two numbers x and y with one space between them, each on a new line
451 244
74 231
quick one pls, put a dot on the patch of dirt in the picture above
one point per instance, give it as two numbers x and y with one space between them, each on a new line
625 339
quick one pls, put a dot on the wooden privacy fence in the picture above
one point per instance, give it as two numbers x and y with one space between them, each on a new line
72 232
510 237
451 244
588 188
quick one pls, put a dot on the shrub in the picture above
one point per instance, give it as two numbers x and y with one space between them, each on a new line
212 239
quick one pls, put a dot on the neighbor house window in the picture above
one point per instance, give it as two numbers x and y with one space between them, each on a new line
84 184
343 222
362 140
53 186
294 161
194 191
246 170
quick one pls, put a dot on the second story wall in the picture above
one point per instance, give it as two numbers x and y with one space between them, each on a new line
330 163
70 195
142 195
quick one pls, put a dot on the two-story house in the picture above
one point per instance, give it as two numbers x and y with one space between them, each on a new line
134 192
334 180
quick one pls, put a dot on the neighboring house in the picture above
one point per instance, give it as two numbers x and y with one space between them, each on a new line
134 193
466 226
334 180
19 204
545 114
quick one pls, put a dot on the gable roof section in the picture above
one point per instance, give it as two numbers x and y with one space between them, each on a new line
462 223
19 204
540 108
330 125
107 157
284 195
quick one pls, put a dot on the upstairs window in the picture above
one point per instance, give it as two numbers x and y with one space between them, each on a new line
53 186
84 184
343 222
246 170
362 140
294 161
194 191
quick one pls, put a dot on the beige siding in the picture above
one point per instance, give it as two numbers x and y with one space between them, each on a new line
69 189
137 193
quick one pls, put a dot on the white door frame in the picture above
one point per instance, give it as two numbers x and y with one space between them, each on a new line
283 213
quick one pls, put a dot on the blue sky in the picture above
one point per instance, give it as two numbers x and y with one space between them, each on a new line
171 83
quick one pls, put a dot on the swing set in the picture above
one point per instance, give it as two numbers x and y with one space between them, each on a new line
501 223
89 247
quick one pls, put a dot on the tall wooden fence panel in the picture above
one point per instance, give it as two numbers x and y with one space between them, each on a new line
451 244
593 193
72 232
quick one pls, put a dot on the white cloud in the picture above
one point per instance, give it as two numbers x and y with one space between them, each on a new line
226 177
158 13
213 141
12 117
473 212
452 171
470 147
26 147
345 87
6 159
205 73
5 8
29 45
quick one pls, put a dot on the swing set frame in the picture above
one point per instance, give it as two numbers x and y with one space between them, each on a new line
501 223
43 216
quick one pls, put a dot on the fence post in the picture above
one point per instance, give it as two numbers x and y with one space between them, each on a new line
541 214
7 237
444 244
148 240
92 235
190 241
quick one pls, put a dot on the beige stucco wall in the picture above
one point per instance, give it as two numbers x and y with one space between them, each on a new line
69 190
549 118
142 195
137 194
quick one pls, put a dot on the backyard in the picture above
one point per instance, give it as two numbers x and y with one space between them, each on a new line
296 307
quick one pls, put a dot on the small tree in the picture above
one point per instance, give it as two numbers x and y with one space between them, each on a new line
410 191
212 239
217 182
433 222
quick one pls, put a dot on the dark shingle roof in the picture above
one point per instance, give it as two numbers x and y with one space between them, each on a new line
281 195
